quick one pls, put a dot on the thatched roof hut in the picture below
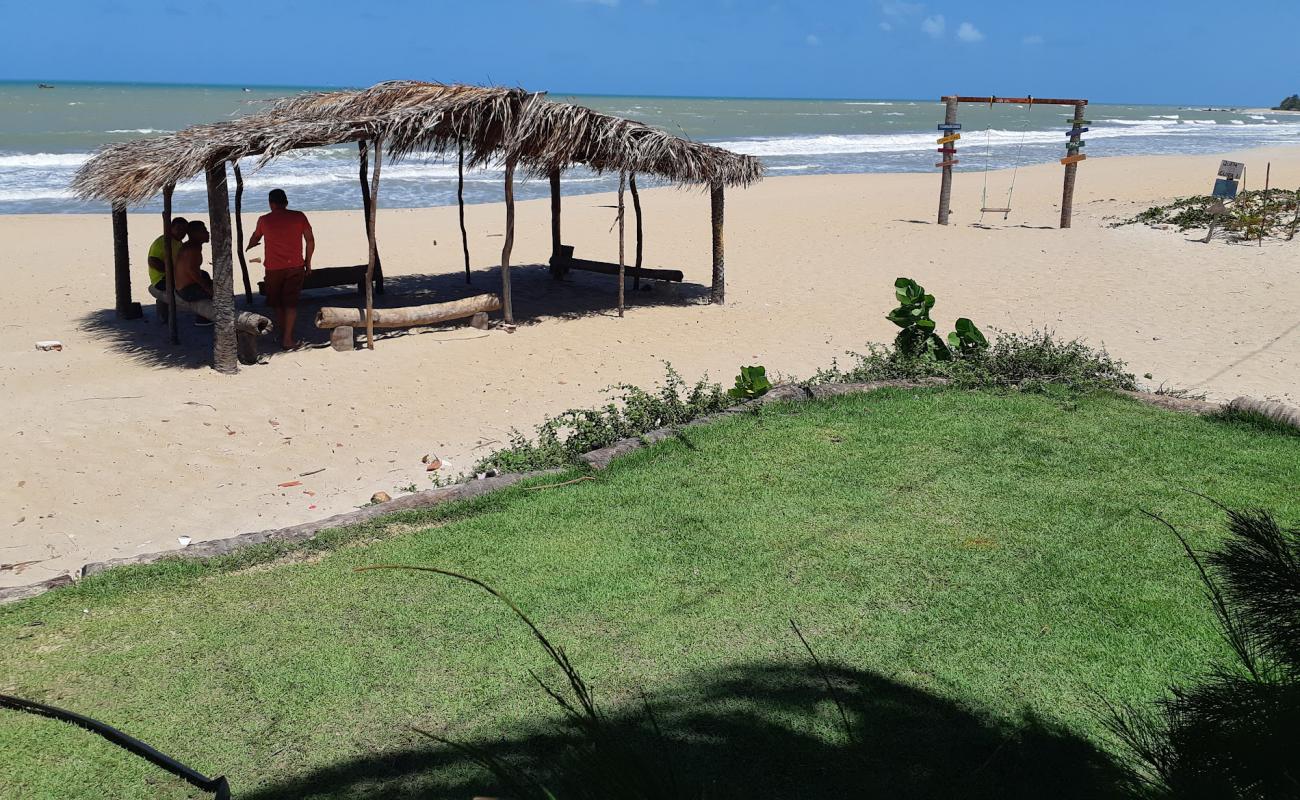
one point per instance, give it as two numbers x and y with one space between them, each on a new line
484 125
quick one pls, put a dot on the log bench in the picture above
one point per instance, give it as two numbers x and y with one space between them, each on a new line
248 325
564 261
342 321
326 277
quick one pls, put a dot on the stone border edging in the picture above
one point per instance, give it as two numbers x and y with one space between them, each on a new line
599 459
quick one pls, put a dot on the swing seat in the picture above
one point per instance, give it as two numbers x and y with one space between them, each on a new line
995 211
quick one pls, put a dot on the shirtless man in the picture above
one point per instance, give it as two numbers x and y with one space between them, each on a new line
192 282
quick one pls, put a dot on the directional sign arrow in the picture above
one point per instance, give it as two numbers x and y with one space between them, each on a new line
949 126
949 138
946 163
1077 131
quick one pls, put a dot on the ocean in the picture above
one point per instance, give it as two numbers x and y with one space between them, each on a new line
46 134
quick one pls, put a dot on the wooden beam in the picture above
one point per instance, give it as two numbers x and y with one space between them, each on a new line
716 204
239 232
1020 101
170 267
245 321
509 243
331 317
126 308
636 208
622 278
555 214
225 348
460 203
945 185
373 205
378 275
603 268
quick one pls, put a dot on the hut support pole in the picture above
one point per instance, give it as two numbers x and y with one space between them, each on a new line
239 232
126 308
1067 192
362 147
225 349
556 238
945 188
622 280
372 204
170 271
636 207
460 203
507 305
719 294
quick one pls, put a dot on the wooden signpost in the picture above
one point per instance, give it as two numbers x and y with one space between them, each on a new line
1078 126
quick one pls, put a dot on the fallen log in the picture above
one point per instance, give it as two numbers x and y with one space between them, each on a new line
1281 413
245 321
432 314
612 269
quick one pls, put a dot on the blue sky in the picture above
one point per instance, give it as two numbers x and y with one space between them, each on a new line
1192 51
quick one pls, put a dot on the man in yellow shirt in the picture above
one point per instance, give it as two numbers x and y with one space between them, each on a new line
157 255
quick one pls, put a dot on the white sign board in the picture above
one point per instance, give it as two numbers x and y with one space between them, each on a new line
1232 170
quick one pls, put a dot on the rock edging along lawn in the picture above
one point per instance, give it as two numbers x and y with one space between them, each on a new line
600 459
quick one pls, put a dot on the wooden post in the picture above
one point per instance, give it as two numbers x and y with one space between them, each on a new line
1268 174
170 271
362 146
372 204
509 311
460 202
636 207
719 294
1067 193
945 188
239 232
225 348
622 280
126 307
556 239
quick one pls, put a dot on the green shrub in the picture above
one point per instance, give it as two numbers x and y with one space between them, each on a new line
750 383
633 411
1252 214
1034 362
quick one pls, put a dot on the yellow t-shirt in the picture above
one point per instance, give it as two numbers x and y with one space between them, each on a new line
156 251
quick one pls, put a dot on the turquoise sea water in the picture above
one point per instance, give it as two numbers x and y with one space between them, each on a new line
45 134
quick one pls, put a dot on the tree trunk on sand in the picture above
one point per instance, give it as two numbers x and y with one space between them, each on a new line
374 247
126 307
170 270
636 208
239 232
719 294
622 269
509 242
225 352
460 203
1281 413
432 314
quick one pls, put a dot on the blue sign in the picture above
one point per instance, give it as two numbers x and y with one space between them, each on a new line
1077 131
950 126
1225 188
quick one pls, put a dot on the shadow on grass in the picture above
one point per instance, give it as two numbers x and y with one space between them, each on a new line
765 730
537 297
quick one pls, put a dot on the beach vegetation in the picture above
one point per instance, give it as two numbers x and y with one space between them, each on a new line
1232 734
752 382
971 568
1253 214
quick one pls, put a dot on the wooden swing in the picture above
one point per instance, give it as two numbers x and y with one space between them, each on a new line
1005 209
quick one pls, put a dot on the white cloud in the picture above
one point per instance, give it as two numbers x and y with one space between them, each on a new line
935 25
885 26
1032 40
969 33
811 40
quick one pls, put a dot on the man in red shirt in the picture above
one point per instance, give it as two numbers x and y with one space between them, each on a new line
286 232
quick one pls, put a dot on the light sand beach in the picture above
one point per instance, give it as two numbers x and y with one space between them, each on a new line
119 444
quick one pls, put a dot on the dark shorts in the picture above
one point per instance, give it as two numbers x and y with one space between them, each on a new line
193 293
283 286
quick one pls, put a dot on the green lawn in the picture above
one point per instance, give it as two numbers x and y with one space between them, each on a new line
975 566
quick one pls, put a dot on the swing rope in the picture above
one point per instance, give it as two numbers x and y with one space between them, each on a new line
1015 162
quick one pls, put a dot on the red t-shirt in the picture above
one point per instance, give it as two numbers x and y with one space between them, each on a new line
283 232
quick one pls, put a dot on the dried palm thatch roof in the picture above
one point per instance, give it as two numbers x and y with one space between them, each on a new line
493 124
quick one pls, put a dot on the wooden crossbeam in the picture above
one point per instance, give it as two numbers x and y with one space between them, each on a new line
1020 101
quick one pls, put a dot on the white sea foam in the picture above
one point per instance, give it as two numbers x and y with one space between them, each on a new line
138 130
42 160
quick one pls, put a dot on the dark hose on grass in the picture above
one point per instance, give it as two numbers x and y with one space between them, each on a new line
218 786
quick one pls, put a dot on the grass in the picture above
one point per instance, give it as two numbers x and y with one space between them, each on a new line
974 567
